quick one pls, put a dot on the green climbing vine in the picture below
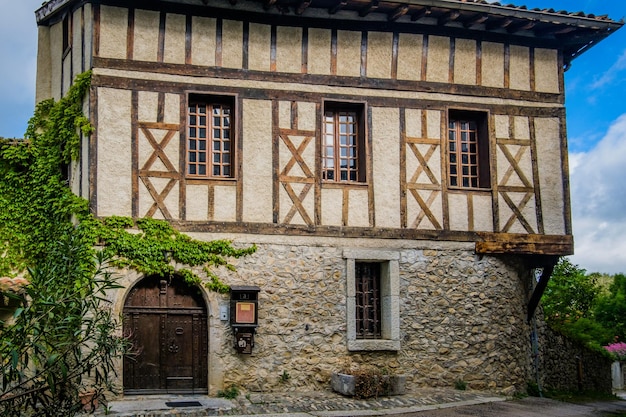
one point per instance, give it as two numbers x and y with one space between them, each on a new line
38 208
155 243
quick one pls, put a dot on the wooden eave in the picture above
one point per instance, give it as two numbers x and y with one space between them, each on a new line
521 244
574 33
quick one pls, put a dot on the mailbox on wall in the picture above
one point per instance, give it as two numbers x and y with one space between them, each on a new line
244 319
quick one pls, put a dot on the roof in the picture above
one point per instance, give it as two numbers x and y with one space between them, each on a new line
574 32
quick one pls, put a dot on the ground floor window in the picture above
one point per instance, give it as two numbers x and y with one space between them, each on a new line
372 299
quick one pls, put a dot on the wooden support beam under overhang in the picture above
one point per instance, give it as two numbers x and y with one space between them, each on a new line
398 13
372 6
521 26
448 17
476 20
302 6
420 13
521 244
547 264
338 6
499 24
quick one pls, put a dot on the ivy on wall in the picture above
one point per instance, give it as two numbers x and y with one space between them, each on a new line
38 208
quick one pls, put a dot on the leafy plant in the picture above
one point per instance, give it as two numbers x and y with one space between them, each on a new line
61 342
229 393
284 377
460 385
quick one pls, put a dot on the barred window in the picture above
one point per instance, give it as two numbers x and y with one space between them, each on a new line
209 137
368 300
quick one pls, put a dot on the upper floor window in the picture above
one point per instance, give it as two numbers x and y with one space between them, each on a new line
343 147
468 149
209 137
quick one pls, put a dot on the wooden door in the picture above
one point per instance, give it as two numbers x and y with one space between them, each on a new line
167 323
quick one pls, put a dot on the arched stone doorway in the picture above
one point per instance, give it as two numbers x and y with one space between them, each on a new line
166 320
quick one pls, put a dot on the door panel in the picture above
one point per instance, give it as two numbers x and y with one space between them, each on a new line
169 341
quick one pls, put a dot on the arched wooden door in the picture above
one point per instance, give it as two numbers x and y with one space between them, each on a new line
167 323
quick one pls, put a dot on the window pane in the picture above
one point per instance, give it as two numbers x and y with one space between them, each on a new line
226 145
192 169
192 157
192 120
202 157
202 145
192 145
216 157
202 108
202 132
226 158
226 171
216 145
202 170
192 132
203 120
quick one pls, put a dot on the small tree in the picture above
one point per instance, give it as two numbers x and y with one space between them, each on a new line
62 340
611 308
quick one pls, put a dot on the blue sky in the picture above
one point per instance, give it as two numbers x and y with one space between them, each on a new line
596 121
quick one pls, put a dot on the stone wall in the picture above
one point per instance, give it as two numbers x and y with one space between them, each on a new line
567 365
462 317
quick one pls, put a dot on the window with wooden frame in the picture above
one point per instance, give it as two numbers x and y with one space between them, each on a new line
210 138
67 32
468 149
343 143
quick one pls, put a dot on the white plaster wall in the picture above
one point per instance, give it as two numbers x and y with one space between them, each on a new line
379 47
175 27
546 70
410 56
232 44
114 153
348 53
77 44
502 126
414 210
197 203
433 124
492 64
307 115
483 213
44 65
521 127
146 44
528 212
171 110
56 51
225 205
386 171
519 69
113 30
257 157
288 49
465 61
438 64
459 211
67 73
284 115
88 52
547 133
331 206
318 61
259 47
147 106
413 122
358 213
203 41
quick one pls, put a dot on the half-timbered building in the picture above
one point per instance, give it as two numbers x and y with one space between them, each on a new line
401 166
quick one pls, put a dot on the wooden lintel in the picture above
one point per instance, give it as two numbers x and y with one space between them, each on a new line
420 13
450 16
398 13
340 5
476 20
372 6
302 6
526 244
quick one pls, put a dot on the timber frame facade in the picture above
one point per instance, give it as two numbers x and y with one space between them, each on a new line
402 73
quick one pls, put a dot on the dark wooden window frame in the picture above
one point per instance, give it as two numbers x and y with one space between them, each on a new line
468 161
356 174
66 24
200 151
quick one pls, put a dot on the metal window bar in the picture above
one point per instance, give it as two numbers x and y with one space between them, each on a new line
368 300
463 154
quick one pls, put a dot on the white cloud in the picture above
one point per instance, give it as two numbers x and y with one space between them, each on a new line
598 185
612 74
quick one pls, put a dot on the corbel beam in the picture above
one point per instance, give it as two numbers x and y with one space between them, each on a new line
420 13
302 6
448 17
398 13
476 20
372 6
340 5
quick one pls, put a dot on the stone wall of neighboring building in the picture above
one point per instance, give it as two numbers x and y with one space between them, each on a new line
567 365
461 317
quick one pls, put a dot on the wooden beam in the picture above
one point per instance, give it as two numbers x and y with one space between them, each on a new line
518 27
476 20
268 4
302 6
556 30
499 24
548 265
398 13
525 244
448 17
338 6
372 6
420 13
